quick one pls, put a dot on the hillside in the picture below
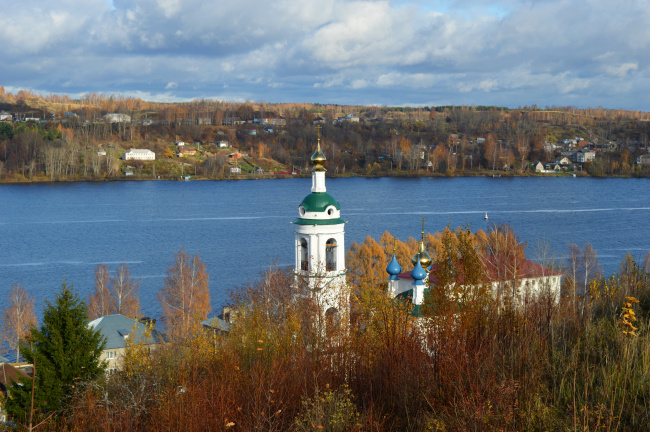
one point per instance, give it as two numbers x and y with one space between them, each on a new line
50 138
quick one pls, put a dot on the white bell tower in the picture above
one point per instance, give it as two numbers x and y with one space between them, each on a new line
320 243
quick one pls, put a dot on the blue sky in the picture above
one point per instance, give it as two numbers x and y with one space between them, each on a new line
418 53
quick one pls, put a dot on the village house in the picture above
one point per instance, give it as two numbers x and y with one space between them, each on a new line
8 375
186 151
644 159
5 116
117 331
584 156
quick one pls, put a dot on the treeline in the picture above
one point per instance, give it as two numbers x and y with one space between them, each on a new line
582 363
451 140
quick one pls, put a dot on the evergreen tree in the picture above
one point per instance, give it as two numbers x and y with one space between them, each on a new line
65 351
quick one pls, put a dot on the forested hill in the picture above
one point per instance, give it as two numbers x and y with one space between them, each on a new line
57 138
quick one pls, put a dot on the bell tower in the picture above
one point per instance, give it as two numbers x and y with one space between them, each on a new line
320 241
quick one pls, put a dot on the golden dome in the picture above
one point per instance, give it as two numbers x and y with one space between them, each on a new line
423 256
318 158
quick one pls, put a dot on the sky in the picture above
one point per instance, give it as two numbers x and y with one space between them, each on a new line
584 53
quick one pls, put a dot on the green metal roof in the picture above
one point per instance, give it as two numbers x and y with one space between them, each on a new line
319 201
319 221
408 297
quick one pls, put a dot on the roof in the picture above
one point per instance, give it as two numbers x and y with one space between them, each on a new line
216 323
9 374
527 269
319 201
117 328
142 151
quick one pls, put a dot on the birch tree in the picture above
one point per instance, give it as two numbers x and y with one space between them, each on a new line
124 290
101 302
18 317
185 295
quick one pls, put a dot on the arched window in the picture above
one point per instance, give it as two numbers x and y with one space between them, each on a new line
332 320
330 255
304 255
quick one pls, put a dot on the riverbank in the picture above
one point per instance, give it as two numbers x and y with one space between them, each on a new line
394 174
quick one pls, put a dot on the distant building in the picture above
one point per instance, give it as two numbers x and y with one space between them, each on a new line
644 159
223 144
186 151
5 116
117 330
538 167
583 156
139 154
117 118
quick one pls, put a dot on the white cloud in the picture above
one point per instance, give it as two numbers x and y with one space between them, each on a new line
344 51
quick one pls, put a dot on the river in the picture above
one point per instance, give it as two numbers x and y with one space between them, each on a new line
52 232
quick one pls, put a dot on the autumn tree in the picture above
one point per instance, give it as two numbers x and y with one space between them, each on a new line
124 290
18 317
185 295
503 256
101 302
457 279
366 264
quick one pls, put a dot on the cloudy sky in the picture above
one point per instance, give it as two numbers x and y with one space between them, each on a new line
505 52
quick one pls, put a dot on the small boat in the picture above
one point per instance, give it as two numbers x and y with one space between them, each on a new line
486 218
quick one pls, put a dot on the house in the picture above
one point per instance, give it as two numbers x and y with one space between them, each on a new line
5 116
563 161
179 143
538 167
139 154
583 156
101 152
186 151
223 144
8 375
217 324
117 330
117 118
273 121
644 159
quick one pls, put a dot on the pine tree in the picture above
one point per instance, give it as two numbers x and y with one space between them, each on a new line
65 352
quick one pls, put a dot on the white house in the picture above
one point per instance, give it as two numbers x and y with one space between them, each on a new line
644 159
583 156
5 116
223 144
538 167
139 154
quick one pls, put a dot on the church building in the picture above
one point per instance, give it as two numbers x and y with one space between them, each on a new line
320 243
